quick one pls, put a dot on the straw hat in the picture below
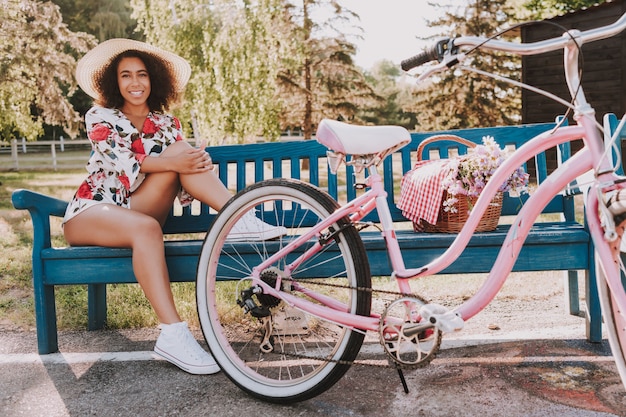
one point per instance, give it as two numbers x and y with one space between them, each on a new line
93 63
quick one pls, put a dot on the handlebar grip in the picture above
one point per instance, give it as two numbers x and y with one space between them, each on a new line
434 53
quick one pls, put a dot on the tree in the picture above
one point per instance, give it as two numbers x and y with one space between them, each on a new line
258 62
542 9
320 78
103 19
464 99
386 79
37 68
112 19
234 54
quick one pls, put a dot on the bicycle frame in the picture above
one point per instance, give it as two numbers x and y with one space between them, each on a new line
375 198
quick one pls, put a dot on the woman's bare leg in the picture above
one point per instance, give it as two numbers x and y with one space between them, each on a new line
204 186
207 188
156 194
120 227
140 227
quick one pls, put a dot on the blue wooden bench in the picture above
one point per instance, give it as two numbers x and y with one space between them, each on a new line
559 245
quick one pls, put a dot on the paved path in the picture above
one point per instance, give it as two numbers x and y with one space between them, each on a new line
113 373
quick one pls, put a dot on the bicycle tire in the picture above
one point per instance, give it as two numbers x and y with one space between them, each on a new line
303 363
613 320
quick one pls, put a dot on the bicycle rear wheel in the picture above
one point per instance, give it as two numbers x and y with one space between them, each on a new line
613 315
295 356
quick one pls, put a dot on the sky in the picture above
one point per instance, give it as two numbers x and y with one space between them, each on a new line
390 28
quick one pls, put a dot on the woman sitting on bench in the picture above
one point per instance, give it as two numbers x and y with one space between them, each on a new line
139 165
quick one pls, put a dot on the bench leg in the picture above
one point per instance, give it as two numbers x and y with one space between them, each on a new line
594 312
572 287
46 318
96 306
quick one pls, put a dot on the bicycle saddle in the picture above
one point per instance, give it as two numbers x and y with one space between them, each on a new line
361 140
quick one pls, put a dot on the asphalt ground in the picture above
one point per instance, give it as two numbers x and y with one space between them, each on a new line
113 373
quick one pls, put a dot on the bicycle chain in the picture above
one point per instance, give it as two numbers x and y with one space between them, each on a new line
370 290
363 289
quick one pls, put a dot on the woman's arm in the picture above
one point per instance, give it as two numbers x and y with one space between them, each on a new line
181 158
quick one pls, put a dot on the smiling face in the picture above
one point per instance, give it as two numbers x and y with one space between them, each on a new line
120 85
133 81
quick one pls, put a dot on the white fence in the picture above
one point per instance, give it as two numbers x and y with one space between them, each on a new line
22 155
52 154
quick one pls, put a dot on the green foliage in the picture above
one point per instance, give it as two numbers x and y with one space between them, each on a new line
258 66
387 81
103 19
320 79
36 69
543 9
464 99
233 51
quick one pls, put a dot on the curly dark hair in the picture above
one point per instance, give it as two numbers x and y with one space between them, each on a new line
162 95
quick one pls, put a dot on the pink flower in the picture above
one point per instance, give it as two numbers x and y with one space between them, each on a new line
99 132
84 191
149 128
470 173
125 181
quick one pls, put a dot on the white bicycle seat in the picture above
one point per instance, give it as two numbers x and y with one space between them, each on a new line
361 140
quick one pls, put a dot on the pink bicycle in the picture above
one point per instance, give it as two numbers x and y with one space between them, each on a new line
286 318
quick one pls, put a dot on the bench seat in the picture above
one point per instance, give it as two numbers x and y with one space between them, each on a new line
568 243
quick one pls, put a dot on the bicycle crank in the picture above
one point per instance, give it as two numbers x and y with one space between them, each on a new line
408 339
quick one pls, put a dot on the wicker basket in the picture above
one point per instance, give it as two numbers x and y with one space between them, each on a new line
453 222
448 222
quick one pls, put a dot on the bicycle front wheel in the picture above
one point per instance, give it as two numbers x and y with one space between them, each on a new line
613 315
265 346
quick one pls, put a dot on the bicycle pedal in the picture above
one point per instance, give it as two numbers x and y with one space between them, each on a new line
445 320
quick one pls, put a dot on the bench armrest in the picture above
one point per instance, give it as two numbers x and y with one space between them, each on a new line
40 207
29 200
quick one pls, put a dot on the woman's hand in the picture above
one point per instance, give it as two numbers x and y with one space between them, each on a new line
194 160
180 157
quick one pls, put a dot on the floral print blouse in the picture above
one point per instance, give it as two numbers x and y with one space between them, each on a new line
118 149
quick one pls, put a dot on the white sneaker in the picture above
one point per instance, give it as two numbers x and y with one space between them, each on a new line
250 228
177 345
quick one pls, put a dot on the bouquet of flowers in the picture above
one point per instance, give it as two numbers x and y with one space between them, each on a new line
469 173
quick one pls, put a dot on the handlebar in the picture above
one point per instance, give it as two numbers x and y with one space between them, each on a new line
434 53
439 50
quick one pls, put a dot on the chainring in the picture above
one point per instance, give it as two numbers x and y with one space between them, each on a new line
403 347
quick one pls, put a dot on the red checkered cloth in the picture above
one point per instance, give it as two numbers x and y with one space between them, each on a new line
421 191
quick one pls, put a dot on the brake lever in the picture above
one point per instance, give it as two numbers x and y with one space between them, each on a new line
448 61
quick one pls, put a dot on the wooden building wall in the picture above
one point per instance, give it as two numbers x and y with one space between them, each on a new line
604 68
